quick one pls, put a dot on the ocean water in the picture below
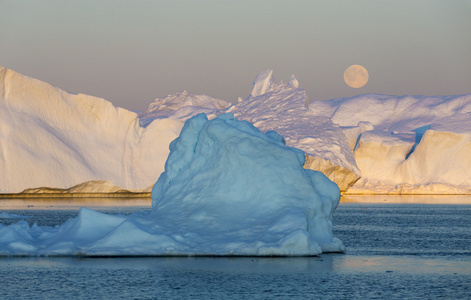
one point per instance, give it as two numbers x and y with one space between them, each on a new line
397 247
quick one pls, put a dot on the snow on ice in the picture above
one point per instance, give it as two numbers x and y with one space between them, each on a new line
227 189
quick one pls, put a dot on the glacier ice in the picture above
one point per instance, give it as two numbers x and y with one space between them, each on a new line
181 106
408 144
227 189
54 141
263 83
51 138
282 107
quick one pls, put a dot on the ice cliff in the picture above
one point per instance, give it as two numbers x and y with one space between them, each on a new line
227 189
51 138
408 144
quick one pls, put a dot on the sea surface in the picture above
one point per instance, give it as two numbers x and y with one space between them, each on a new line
398 247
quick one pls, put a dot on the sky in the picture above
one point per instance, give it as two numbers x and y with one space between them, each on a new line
132 52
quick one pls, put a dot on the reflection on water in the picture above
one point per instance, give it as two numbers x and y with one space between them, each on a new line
382 228
257 265
411 199
326 277
410 264
72 203
397 247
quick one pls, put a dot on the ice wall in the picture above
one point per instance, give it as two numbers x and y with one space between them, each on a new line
409 144
51 138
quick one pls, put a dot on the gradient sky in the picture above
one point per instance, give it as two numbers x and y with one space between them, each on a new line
131 52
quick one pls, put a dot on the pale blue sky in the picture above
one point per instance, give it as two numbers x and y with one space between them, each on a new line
131 52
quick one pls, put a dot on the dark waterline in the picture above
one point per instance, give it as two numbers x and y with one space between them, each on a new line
395 251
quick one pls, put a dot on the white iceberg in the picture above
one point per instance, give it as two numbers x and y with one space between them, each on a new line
283 107
51 138
263 83
227 189
406 145
181 106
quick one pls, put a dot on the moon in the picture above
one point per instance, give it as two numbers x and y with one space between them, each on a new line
355 76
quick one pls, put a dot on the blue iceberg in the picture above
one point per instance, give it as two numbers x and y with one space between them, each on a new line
227 189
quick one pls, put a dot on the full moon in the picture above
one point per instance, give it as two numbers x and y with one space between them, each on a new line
355 76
